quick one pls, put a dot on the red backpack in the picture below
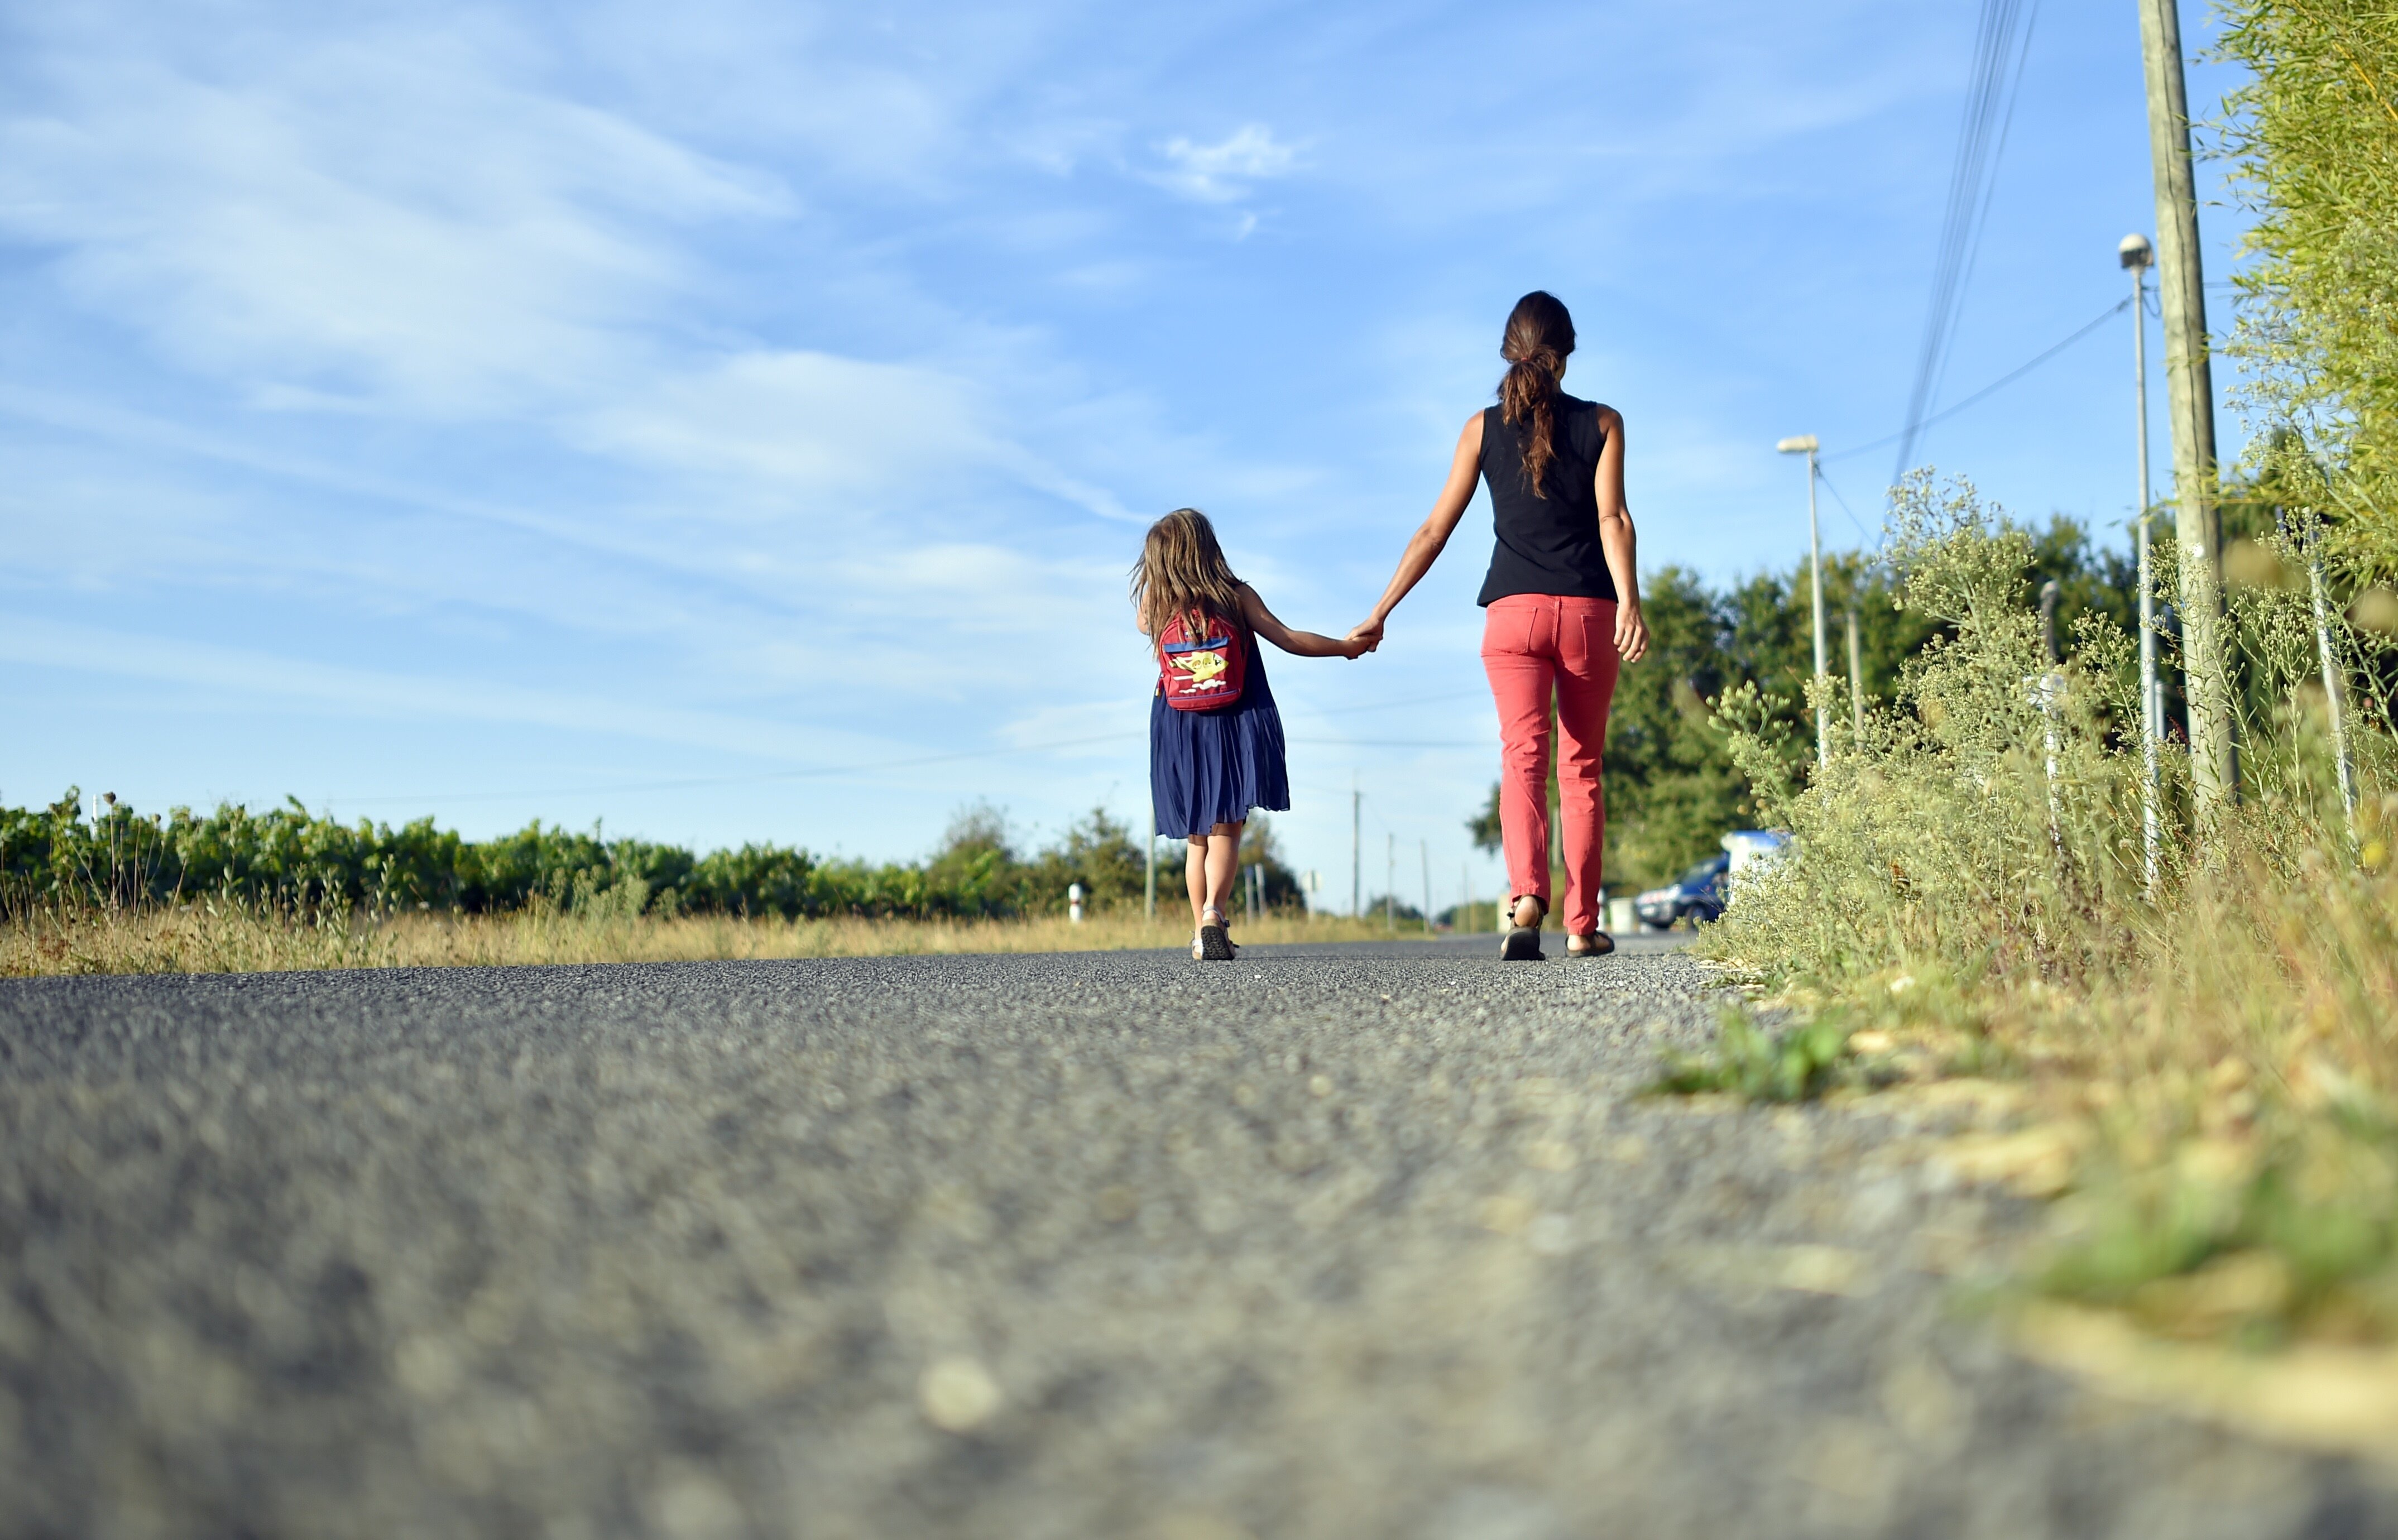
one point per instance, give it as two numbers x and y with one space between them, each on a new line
1202 672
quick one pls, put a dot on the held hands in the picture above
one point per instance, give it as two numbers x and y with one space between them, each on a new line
1631 635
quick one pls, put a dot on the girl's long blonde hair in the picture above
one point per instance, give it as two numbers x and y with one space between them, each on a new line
1183 572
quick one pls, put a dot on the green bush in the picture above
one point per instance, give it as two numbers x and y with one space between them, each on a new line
289 859
1970 824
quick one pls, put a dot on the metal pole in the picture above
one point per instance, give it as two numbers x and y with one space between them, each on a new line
2190 389
1816 558
2334 692
1856 680
1391 882
1425 848
2048 688
2136 254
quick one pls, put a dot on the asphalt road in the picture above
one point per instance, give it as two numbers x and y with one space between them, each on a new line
1374 1242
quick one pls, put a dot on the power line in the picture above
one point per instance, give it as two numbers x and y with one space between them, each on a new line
1842 501
1989 194
1981 141
2009 378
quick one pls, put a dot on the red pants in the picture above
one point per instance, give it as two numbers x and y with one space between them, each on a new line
1531 644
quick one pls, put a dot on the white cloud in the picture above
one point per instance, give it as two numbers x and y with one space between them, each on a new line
1222 172
387 220
792 427
798 424
249 674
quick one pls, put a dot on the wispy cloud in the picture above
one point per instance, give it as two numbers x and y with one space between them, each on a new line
251 675
1226 170
382 222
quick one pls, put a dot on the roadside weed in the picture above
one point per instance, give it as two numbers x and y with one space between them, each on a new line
1964 894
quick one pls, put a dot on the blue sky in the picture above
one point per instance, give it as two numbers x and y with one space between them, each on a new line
734 421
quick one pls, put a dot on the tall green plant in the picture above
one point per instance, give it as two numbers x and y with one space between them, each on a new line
2313 139
1986 817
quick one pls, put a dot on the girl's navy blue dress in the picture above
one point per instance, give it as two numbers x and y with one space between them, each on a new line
1211 767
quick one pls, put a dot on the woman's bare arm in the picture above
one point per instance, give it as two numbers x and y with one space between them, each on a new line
1303 644
1618 541
1431 536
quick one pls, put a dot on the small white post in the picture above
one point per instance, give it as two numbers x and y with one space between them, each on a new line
2335 694
1075 902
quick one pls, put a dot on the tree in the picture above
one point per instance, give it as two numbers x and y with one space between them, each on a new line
2314 133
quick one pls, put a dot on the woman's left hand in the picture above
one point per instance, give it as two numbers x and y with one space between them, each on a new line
1631 632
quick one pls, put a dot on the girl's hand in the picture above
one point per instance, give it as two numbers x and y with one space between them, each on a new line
1365 636
1355 647
1631 631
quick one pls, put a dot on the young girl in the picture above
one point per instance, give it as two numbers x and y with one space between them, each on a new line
1207 768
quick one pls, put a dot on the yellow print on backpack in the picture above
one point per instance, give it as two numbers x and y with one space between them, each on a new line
1205 669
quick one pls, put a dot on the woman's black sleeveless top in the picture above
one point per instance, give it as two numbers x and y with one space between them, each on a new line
1548 544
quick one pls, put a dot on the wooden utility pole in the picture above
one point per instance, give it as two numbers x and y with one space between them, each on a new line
2191 389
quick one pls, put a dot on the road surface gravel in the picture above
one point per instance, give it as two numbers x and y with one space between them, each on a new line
1327 1242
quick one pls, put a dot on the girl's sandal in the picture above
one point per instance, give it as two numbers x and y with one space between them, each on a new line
1598 943
1214 943
1523 942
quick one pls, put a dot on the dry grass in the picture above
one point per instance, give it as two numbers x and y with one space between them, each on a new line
2215 1110
217 938
2206 1080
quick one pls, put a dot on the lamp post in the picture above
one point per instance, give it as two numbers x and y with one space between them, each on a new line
2136 255
1805 444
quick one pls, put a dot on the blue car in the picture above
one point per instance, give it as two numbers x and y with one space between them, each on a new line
1697 895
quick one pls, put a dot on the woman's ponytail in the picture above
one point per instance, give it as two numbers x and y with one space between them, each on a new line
1540 333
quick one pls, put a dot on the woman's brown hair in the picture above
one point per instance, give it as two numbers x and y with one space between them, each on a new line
1539 336
1183 572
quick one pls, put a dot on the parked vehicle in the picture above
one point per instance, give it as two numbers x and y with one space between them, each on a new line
1696 894
1752 850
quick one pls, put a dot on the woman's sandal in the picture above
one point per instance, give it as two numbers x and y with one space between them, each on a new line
1598 943
1523 942
1214 942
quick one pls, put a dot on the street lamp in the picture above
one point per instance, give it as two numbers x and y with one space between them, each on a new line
2136 254
1805 444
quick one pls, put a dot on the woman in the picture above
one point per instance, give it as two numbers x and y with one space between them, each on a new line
1563 605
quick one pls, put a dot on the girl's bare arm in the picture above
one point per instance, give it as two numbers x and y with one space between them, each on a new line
1303 644
1431 536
